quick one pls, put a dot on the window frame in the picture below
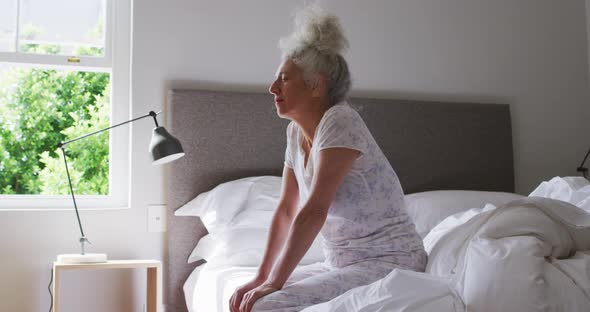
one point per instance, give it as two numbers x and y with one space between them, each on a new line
116 61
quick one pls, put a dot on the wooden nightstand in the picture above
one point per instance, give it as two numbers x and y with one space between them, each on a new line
154 278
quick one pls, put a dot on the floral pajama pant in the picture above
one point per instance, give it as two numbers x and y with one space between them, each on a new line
321 282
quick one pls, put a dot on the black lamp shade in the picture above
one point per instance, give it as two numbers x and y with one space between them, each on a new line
164 147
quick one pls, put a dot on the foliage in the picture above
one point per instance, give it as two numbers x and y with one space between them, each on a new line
88 159
40 108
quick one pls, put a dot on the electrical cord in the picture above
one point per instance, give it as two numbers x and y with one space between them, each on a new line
49 289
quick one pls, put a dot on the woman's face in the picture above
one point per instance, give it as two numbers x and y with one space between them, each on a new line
292 95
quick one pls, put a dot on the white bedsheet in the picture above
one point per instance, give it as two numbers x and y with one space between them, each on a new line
528 255
209 288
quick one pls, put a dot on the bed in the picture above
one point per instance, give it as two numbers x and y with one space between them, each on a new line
228 136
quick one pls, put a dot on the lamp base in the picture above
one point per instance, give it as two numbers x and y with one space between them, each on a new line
79 258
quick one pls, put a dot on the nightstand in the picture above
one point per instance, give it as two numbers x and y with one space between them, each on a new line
154 278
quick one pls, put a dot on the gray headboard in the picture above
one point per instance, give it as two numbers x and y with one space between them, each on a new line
229 135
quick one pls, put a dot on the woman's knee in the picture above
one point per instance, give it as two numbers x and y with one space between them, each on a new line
256 307
272 303
262 305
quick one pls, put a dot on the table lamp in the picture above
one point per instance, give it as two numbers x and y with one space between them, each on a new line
163 148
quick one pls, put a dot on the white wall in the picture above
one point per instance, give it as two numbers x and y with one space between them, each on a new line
531 54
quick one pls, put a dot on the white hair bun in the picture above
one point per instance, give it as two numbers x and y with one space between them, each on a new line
315 29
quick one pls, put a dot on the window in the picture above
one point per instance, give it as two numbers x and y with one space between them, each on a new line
64 72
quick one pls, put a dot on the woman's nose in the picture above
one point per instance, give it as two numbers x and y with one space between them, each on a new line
273 89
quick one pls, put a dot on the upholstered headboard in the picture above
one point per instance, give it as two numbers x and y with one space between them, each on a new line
227 135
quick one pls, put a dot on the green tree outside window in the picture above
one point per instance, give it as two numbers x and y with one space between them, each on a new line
40 108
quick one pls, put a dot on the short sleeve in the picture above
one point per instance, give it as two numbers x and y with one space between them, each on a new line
343 127
289 149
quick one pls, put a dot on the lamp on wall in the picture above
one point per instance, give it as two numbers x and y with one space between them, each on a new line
583 169
163 148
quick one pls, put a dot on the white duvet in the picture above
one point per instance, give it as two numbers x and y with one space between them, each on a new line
526 255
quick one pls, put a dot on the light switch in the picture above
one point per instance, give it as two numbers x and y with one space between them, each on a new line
157 218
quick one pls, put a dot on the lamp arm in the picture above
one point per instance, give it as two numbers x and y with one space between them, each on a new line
72 192
585 158
581 168
150 114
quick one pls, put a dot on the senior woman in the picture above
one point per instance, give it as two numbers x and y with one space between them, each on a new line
336 181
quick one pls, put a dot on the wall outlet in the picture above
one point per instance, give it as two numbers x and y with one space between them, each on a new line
157 218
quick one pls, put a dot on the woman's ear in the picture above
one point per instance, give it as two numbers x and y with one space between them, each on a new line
320 86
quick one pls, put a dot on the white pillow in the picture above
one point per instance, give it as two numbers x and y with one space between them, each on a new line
237 215
427 209
243 247
574 190
218 207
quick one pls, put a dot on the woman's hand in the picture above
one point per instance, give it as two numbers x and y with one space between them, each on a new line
236 298
254 294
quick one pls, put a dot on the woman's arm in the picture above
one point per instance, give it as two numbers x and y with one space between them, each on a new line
281 222
334 164
279 228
